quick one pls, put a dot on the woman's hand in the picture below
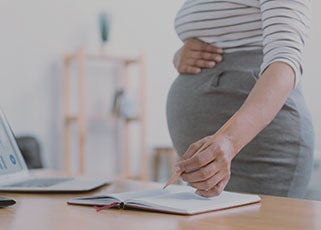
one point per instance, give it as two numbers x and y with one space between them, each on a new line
208 170
195 55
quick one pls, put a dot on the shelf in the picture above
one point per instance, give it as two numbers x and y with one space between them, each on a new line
102 117
71 119
80 118
113 58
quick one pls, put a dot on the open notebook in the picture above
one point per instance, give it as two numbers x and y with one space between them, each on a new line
175 199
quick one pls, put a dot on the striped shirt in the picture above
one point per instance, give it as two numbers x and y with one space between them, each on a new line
279 27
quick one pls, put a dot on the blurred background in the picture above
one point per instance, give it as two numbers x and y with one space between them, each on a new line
42 40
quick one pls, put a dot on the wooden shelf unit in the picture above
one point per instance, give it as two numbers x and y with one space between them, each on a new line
81 58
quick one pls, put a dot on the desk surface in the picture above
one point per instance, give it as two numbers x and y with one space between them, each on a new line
50 211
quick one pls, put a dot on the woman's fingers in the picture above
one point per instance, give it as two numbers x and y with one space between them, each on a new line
194 65
216 190
195 55
200 59
193 148
199 55
202 174
209 183
199 63
198 160
205 178
188 69
198 45
206 164
206 56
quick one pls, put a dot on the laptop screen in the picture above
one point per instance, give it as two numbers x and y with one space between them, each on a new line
9 162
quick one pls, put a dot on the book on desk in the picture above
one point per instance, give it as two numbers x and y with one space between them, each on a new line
176 199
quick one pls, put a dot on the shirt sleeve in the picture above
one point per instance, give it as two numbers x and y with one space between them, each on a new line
285 27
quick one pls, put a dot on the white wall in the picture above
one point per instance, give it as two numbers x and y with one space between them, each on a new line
35 34
312 75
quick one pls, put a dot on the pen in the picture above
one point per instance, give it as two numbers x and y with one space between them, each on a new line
172 179
176 175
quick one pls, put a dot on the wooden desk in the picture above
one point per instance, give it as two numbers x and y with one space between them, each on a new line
50 211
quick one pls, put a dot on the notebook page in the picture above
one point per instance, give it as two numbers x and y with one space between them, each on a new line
100 200
115 197
191 203
124 196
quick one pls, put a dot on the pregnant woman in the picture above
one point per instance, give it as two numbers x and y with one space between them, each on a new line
236 114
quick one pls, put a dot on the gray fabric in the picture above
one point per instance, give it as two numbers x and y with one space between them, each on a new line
278 161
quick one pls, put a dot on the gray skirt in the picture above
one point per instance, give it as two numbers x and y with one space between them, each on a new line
278 161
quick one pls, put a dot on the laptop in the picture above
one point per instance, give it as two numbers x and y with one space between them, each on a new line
15 176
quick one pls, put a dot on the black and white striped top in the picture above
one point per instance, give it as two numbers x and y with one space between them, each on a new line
279 27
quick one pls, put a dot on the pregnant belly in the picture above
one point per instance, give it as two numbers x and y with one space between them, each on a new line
198 105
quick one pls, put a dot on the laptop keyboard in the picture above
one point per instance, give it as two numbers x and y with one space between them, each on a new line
39 182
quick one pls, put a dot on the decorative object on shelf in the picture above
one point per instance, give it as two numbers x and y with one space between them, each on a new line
116 110
104 28
124 105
